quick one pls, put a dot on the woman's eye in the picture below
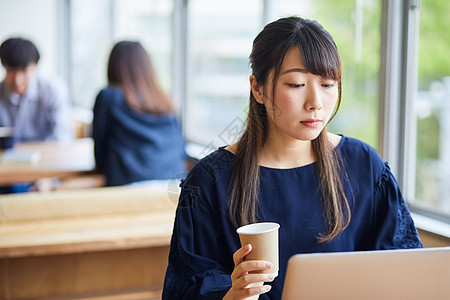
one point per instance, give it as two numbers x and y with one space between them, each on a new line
328 85
294 85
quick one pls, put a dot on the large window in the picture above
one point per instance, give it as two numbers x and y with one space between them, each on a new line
432 189
200 52
210 41
219 37
220 40
355 27
88 49
146 21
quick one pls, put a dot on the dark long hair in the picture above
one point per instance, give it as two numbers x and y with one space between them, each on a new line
320 57
130 68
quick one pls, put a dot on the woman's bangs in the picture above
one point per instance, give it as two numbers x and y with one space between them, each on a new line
319 54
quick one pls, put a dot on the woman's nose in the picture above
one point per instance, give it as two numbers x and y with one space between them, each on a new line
313 99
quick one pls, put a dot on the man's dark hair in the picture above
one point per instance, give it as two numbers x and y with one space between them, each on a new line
18 53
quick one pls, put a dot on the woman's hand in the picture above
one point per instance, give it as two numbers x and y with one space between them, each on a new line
246 283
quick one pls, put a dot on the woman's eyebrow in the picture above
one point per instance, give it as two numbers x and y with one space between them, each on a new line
296 70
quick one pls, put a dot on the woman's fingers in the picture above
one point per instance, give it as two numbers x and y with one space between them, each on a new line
249 293
247 277
250 284
239 255
252 291
250 280
251 266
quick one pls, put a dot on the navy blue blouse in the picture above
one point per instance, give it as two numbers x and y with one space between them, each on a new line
133 146
204 240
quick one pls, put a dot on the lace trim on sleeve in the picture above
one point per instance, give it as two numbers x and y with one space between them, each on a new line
406 235
384 177
189 196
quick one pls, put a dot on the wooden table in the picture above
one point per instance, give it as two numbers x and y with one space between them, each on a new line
72 244
57 159
86 220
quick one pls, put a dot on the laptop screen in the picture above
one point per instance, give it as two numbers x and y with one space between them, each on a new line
388 274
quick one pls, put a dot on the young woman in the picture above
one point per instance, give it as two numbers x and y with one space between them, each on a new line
328 192
135 130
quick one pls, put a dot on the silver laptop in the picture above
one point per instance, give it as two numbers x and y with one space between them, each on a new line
389 274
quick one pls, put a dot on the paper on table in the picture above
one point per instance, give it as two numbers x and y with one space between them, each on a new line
11 156
6 131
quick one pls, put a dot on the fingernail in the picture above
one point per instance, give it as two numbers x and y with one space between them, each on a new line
270 277
268 265
268 287
247 246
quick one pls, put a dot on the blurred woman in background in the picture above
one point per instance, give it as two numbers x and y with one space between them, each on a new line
136 133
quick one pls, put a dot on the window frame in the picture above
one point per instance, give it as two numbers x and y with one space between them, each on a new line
398 85
398 76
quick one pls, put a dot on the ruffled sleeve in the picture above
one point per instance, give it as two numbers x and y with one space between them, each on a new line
194 272
203 239
393 225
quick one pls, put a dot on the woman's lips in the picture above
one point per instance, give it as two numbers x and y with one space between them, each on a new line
311 123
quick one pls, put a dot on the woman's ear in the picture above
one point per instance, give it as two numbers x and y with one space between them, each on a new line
257 90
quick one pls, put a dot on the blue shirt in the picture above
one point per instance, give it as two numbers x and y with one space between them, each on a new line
204 240
132 146
43 113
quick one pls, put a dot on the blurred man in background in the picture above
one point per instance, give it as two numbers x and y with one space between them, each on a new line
37 109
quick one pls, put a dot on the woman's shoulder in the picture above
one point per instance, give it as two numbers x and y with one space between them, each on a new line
359 155
110 93
357 148
218 161
209 174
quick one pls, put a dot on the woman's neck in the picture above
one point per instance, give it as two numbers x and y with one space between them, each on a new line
282 155
285 155
275 154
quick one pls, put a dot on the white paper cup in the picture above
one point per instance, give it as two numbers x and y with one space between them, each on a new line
264 240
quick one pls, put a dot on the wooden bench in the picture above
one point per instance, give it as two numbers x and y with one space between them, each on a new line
79 243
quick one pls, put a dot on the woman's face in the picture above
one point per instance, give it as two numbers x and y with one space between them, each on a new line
303 103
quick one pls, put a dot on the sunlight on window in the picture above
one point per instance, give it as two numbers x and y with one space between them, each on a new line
433 108
220 40
148 22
